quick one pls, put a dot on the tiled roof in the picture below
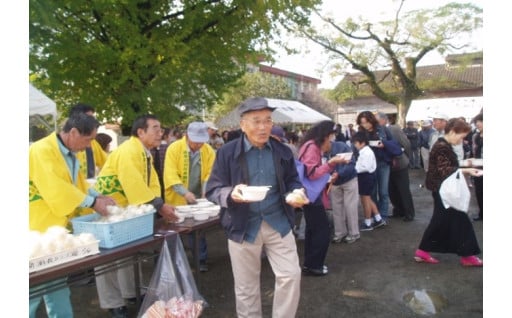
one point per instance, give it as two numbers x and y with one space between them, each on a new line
463 76
276 71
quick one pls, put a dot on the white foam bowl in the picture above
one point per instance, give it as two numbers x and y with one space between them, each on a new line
213 210
203 204
201 215
183 214
254 193
186 208
180 219
374 143
346 155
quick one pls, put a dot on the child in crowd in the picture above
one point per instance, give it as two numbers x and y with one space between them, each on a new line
344 197
366 165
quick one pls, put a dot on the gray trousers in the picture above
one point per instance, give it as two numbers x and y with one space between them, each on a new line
424 156
344 204
115 286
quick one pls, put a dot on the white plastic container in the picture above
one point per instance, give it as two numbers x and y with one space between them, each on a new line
46 261
201 215
254 193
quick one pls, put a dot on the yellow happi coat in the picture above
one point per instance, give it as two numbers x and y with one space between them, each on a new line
124 176
100 157
176 168
53 198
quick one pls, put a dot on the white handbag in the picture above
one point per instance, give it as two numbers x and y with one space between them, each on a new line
454 192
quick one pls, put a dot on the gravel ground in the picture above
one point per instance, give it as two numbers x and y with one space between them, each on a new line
370 278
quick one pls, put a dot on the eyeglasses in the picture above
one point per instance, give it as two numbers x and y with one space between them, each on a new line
258 122
156 129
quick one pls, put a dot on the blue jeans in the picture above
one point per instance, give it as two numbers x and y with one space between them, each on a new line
203 248
58 302
380 191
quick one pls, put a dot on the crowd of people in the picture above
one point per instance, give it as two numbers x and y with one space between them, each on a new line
167 168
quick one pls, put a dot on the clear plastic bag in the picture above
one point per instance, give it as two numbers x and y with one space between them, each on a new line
172 291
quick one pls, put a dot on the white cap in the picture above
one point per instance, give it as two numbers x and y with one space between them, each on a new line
210 125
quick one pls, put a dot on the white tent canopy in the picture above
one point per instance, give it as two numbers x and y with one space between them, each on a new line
40 108
467 107
40 104
287 112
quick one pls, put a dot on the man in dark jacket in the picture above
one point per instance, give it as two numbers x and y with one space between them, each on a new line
254 159
399 185
414 139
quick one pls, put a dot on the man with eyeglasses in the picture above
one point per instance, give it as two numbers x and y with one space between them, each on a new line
93 157
129 176
58 192
251 227
188 163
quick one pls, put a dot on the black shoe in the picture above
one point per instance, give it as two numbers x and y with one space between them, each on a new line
408 218
120 312
380 223
203 267
315 272
363 227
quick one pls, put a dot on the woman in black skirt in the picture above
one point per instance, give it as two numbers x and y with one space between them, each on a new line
449 230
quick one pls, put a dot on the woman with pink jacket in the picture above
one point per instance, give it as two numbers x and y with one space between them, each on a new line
317 141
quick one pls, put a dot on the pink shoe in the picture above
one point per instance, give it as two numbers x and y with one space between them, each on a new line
471 261
423 257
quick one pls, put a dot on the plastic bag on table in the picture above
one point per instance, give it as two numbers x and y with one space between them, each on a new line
172 292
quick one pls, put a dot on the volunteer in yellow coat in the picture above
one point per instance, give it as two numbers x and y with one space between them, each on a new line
131 179
58 192
188 163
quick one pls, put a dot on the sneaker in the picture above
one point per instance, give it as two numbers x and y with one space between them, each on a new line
365 227
471 261
380 223
338 239
203 267
351 239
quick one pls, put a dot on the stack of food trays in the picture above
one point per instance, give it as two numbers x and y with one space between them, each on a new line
201 211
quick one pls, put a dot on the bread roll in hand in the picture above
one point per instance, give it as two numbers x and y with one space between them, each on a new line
297 198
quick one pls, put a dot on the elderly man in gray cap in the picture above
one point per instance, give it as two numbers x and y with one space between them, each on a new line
255 159
188 163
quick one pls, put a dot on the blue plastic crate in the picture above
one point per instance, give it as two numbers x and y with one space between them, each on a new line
116 233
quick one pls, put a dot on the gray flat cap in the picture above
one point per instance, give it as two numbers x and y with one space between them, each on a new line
254 103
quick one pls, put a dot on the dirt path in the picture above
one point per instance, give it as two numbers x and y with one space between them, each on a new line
366 279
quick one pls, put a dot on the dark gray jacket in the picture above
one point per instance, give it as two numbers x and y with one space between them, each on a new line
402 139
230 169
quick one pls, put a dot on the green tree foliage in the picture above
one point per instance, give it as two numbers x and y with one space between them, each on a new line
397 45
132 57
251 85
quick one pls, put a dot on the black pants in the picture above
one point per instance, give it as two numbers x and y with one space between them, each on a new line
449 231
400 193
478 182
317 235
